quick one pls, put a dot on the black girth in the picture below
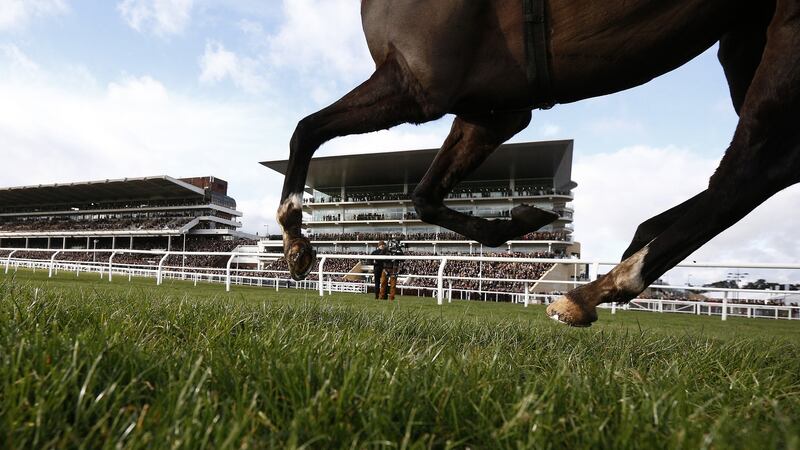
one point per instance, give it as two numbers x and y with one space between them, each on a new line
537 70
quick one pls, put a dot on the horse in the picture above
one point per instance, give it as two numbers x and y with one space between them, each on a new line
474 59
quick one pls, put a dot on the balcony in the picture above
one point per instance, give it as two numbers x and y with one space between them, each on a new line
471 197
369 218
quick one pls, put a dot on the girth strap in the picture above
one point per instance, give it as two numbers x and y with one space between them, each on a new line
537 70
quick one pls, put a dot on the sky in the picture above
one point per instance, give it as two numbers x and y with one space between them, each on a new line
97 89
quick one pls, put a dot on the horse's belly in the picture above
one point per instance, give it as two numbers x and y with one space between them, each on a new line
600 52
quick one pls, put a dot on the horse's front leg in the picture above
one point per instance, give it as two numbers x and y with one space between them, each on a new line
471 141
383 101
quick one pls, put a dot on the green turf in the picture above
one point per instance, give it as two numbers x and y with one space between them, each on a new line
87 363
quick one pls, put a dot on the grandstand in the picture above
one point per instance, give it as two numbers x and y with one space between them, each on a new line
158 212
355 200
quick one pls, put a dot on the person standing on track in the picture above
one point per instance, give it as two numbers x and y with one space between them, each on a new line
377 266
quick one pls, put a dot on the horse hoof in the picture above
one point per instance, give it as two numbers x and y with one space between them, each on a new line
300 257
533 217
569 312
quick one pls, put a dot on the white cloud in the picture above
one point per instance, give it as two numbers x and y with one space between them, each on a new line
162 17
17 62
56 129
218 63
323 36
319 44
141 90
17 14
619 190
549 130
59 129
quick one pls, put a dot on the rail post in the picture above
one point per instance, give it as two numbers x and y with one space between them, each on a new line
725 306
110 264
52 263
450 291
228 273
160 269
8 261
440 283
319 276
527 298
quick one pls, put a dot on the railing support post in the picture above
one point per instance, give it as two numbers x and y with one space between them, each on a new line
110 264
8 261
440 283
725 306
527 297
53 263
160 269
319 276
228 274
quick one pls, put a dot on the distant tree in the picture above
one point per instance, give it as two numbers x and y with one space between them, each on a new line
759 284
730 284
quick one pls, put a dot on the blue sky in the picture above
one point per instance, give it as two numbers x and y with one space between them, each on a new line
104 89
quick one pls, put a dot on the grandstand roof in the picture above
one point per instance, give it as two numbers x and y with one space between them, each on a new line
152 188
551 159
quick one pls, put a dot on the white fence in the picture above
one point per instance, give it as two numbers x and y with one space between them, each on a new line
325 281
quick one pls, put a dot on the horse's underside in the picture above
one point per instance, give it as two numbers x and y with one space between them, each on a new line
468 57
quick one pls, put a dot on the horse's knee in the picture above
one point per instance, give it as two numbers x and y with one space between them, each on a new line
643 235
303 136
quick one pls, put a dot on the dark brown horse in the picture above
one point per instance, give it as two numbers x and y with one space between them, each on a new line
468 57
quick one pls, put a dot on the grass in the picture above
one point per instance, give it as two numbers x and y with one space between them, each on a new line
87 363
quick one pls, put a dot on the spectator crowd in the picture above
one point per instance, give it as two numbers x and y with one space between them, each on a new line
458 193
68 224
443 236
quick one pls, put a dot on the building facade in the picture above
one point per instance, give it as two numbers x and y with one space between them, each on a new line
353 201
118 213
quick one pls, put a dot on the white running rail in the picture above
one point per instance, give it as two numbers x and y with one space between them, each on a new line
53 260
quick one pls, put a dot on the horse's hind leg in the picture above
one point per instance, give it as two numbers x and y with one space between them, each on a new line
652 227
385 100
763 158
470 142
739 54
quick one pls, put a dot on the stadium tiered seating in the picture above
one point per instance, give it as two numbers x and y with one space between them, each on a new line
455 194
446 236
52 225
